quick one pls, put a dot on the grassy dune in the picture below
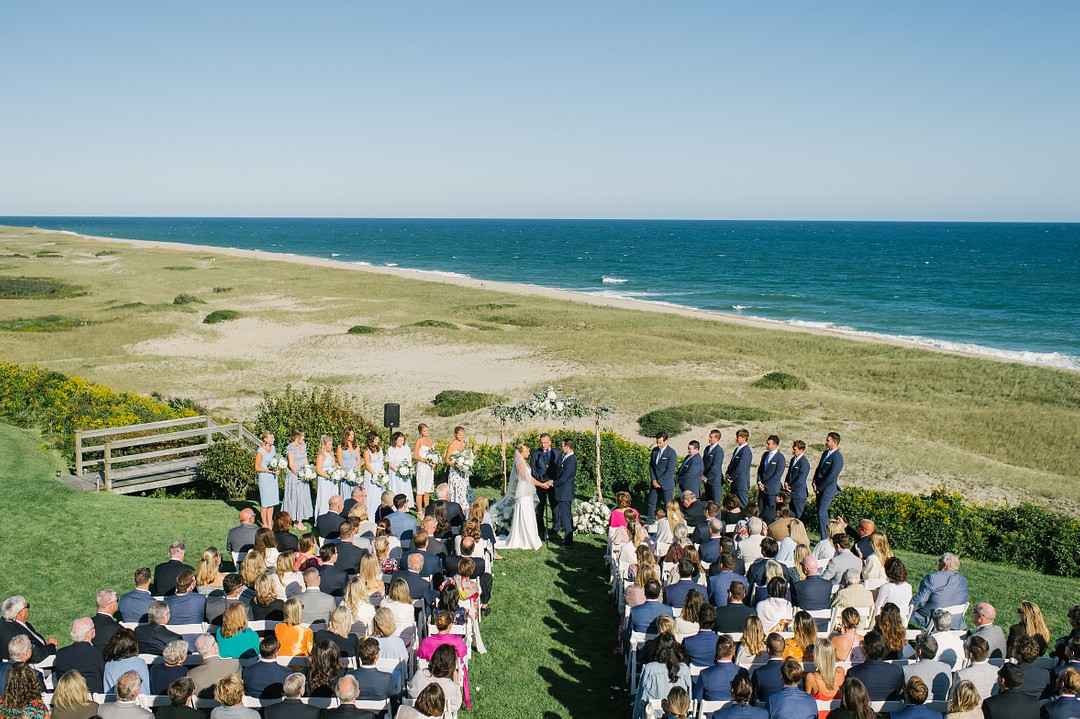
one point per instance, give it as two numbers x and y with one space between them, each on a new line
911 418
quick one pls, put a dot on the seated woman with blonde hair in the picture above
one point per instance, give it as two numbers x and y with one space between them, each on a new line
71 700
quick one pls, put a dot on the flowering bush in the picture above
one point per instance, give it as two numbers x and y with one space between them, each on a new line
591 517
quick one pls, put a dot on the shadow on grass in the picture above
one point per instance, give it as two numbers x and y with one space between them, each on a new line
590 675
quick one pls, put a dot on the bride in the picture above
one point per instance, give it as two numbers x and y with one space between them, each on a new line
523 534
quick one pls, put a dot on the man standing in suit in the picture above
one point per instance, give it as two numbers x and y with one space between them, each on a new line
165 574
1011 703
17 621
770 475
544 464
563 492
135 604
795 481
827 479
943 588
661 475
738 470
692 470
713 466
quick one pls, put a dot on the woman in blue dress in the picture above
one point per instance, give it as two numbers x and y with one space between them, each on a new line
297 493
269 497
327 487
348 457
373 467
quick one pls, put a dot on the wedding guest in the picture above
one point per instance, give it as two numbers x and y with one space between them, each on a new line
229 693
71 700
235 638
825 682
348 458
266 604
208 574
752 645
1031 623
174 655
854 702
361 610
326 488
297 492
338 630
268 481
618 515
896 590
845 638
425 473
286 540
296 640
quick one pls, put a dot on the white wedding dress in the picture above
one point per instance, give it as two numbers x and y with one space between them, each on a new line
523 534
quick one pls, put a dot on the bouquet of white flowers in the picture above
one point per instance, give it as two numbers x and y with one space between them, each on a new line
463 460
502 515
307 474
405 468
430 457
381 479
352 476
336 474
591 517
277 463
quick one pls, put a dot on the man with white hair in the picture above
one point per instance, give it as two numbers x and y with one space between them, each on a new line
105 625
347 690
213 667
854 593
17 622
165 574
292 707
358 496
19 649
455 515
82 656
750 548
950 648
154 636
128 688
944 588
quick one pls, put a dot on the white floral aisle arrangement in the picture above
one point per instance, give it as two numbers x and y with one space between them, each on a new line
502 516
463 460
307 474
591 517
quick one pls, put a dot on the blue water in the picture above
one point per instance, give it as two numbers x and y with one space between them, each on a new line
1006 289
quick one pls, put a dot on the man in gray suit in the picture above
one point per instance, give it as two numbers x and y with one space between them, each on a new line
984 615
980 672
242 537
128 688
317 604
937 675
943 588
843 560
213 667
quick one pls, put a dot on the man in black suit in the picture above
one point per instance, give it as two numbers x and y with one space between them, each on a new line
104 623
372 685
347 691
480 573
435 545
563 492
693 509
419 588
813 592
358 496
1010 702
455 515
795 480
332 578
81 655
766 679
662 462
265 679
731 617
17 622
432 568
328 524
713 467
154 636
165 574
19 650
292 707
544 463
884 681
232 589
349 554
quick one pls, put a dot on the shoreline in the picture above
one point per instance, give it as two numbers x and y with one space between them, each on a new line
600 300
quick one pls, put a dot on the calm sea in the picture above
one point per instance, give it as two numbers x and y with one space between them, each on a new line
1000 289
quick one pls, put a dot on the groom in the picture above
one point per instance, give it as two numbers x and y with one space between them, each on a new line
563 492
544 463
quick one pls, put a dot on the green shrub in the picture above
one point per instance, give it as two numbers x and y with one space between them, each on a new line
780 380
675 420
47 254
452 402
362 330
48 323
220 316
318 411
230 467
439 324
37 288
222 290
181 403
186 299
178 268
106 253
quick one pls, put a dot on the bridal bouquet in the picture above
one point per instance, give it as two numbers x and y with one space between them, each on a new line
591 517
352 476
405 468
381 479
463 460
307 474
502 515
277 464
430 457
336 474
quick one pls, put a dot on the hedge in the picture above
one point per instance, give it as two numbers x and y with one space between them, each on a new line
317 411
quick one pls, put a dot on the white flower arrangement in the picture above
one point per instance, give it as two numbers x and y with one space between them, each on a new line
591 517
307 474
336 474
352 476
381 479
502 515
277 463
463 460
405 468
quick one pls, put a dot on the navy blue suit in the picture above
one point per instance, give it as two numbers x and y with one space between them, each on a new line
812 593
718 587
545 467
767 680
1061 708
712 458
792 703
676 593
188 608
419 588
714 683
770 475
734 711
884 682
264 679
662 472
702 648
795 482
563 492
826 484
915 711
691 471
710 551
135 604
738 473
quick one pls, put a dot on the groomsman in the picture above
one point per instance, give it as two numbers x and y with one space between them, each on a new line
738 469
713 469
795 481
770 477
692 470
544 463
827 479
662 475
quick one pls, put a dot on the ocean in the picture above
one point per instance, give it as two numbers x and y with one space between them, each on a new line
1002 289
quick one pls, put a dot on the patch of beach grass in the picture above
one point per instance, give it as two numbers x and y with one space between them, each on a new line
106 253
47 323
47 255
435 324
362 330
780 380
37 288
179 268
222 290
220 316
452 402
186 299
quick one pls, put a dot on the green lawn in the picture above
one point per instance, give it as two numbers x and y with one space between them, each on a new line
549 636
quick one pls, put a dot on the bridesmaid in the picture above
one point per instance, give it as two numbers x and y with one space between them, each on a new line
373 464
394 456
348 457
297 493
323 464
425 474
458 481
268 481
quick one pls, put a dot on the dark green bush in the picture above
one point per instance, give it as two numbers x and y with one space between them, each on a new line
362 330
452 402
438 324
106 253
318 411
230 467
220 316
179 268
780 380
47 254
222 290
37 288
675 420
186 299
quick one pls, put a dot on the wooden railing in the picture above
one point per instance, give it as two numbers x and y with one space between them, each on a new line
109 453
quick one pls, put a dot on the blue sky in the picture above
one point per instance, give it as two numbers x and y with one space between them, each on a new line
750 110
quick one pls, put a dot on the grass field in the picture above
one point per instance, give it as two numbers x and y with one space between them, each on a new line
910 418
550 635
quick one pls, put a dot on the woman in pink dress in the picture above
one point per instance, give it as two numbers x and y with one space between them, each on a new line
443 622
